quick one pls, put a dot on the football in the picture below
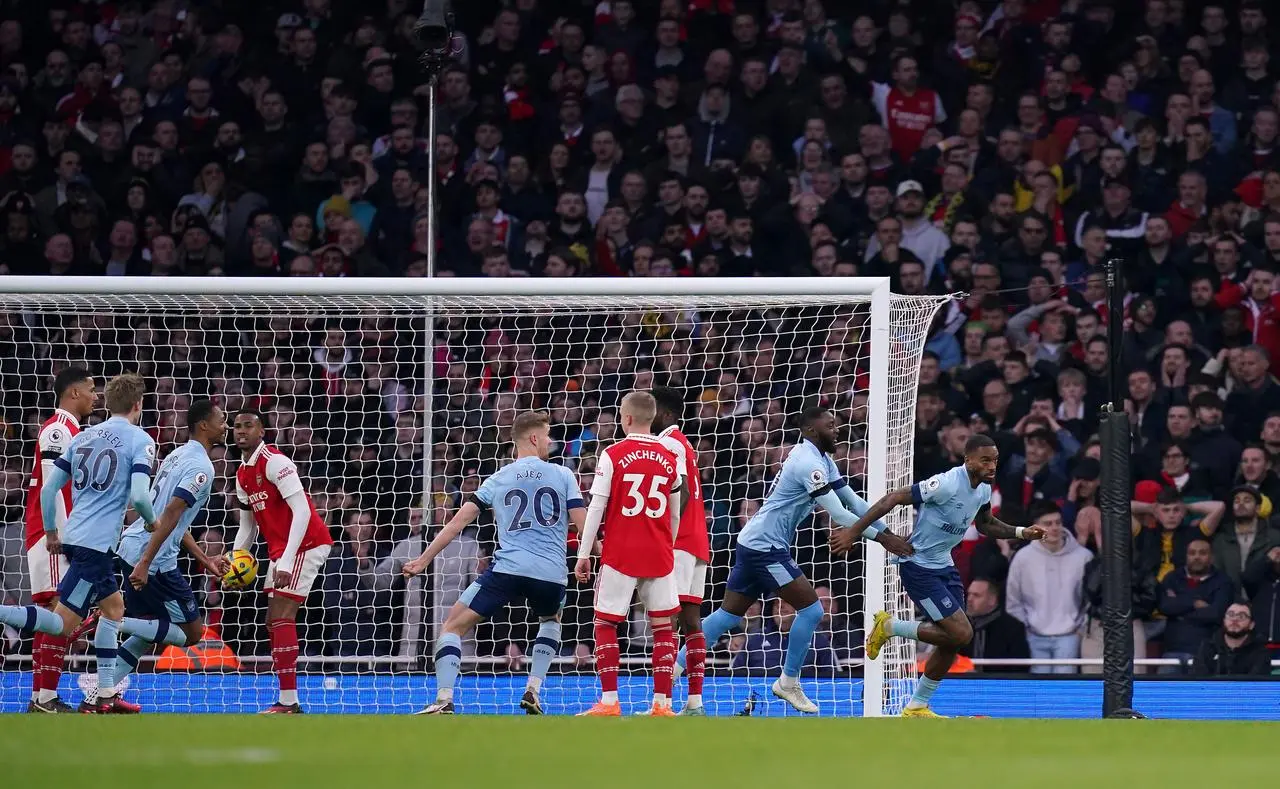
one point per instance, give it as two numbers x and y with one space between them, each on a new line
244 568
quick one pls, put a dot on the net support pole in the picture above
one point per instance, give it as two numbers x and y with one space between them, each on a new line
873 588
1114 432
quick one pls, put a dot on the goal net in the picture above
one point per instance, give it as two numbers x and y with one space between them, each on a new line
395 399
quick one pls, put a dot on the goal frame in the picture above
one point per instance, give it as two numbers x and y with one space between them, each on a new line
875 291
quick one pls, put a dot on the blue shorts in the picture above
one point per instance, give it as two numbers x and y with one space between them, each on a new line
757 573
90 577
167 595
492 591
939 592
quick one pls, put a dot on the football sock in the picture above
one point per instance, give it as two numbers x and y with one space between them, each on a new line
801 638
664 655
925 689
37 667
448 662
545 647
284 657
49 655
905 629
696 645
29 619
159 631
714 626
106 642
131 651
607 660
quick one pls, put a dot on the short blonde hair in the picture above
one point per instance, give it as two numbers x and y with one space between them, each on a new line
526 423
124 392
642 407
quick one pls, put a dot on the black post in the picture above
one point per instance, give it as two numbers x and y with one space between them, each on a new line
1115 434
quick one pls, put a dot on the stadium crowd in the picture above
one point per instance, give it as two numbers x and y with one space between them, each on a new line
1001 149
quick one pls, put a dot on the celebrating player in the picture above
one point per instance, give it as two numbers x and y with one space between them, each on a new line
298 542
635 494
762 561
77 397
156 595
533 503
692 548
95 463
948 503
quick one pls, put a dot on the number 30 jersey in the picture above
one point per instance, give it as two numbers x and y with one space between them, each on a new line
637 474
531 499
101 460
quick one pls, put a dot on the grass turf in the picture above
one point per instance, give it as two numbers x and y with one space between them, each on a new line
193 752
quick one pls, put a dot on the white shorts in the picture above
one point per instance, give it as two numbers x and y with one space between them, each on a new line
615 590
45 572
305 570
691 577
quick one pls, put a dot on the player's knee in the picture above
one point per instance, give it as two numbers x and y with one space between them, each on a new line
660 621
112 607
962 633
690 619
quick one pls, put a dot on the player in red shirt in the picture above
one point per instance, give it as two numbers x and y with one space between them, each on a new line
636 494
77 397
906 109
298 542
692 548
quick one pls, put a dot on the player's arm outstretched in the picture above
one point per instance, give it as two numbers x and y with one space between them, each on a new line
216 566
461 519
857 524
991 526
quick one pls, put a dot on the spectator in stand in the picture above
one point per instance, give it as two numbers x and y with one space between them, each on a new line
997 635
1045 590
1234 650
1195 599
1245 537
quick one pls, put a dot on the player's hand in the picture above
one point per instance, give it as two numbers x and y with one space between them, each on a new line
283 579
895 544
219 565
1033 533
582 571
414 567
53 543
841 541
140 575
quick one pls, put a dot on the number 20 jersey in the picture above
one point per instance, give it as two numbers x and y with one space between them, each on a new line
531 499
637 474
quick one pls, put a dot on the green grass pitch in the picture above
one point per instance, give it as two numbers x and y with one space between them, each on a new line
356 752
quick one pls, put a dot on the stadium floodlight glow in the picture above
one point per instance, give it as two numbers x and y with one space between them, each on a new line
354 372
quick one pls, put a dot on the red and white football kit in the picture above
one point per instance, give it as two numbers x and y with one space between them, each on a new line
907 117
263 482
637 475
45 570
692 548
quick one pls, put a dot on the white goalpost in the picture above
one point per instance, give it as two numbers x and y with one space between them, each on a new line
394 398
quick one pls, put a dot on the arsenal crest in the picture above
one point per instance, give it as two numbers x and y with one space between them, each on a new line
259 479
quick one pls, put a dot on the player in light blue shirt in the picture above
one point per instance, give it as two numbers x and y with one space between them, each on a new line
534 503
948 503
158 599
109 468
762 561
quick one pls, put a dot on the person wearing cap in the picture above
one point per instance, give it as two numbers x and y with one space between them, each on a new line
1124 225
919 235
1215 451
1246 537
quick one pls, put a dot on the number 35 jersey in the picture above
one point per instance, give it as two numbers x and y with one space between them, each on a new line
101 460
637 474
531 499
